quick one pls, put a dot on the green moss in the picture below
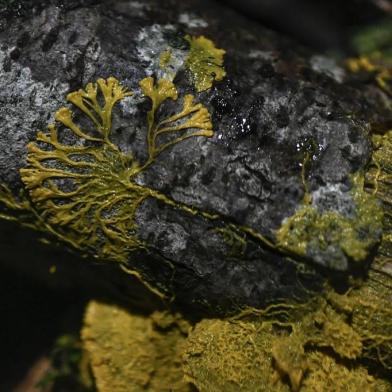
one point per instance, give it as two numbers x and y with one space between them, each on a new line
205 62
375 38
309 230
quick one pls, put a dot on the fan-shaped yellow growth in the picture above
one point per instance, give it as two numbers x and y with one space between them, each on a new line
193 116
205 62
83 186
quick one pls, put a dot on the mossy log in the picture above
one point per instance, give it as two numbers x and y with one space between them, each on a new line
216 161
229 170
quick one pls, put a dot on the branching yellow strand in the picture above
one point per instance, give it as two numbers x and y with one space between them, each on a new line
193 117
96 210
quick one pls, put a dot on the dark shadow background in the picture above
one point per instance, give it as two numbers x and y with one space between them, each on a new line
319 24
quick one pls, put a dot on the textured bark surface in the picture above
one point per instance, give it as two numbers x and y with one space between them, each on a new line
278 108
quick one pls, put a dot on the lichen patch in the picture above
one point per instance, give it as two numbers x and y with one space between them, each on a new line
333 234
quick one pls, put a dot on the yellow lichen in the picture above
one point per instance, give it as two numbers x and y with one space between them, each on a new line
205 62
355 326
85 189
290 360
379 181
366 310
280 348
132 353
308 228
327 328
97 207
320 345
329 375
82 187
224 356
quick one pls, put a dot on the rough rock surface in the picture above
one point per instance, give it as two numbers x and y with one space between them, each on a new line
285 123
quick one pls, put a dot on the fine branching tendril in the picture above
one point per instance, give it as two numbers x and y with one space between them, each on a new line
193 116
86 188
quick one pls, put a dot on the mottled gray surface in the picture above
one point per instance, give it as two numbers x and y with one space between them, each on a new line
276 104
